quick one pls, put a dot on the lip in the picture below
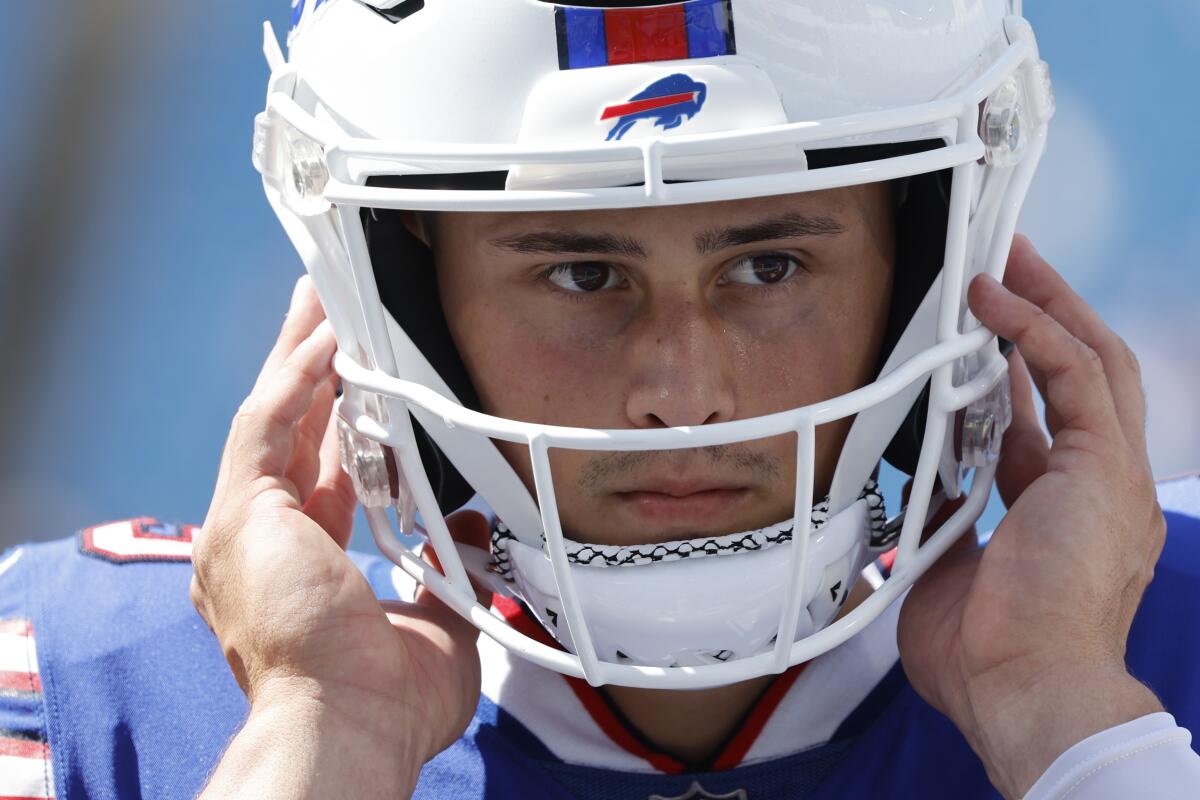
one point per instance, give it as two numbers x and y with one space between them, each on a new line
673 506
680 487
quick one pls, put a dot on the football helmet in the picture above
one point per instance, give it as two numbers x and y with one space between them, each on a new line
387 106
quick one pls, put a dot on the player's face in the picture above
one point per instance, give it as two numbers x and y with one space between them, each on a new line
686 315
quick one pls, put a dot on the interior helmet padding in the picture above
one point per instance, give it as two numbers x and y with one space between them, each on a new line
407 280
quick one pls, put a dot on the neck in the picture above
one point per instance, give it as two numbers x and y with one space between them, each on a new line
692 726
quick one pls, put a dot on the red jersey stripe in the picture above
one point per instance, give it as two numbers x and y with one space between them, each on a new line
16 627
737 747
24 748
616 730
591 699
21 681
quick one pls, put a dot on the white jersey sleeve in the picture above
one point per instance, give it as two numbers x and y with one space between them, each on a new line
1150 756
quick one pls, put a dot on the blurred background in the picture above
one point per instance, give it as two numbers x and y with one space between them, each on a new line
143 277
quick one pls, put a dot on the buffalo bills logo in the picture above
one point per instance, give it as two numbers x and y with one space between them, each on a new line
667 102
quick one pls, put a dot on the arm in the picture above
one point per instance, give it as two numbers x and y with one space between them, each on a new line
295 746
1147 757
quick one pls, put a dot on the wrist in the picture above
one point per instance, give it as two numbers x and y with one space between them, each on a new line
345 732
1020 731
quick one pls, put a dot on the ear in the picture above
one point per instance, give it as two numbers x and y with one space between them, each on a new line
420 224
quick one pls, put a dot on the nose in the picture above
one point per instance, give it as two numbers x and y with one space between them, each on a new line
682 370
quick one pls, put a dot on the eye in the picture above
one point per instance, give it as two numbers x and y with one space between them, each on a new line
582 277
762 269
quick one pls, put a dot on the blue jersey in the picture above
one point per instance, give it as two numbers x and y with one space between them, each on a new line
112 686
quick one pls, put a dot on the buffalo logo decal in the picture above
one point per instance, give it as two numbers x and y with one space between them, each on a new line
667 102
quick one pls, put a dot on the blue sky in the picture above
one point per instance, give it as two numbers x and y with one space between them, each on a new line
179 275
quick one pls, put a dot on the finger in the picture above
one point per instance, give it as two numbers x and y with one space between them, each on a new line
305 466
263 442
1076 387
303 316
1037 378
466 528
1025 449
333 501
1030 276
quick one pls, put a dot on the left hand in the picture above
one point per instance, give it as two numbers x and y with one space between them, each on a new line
1022 644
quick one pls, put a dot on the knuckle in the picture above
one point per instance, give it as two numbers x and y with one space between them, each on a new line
310 437
301 370
343 493
211 549
1158 522
200 553
246 412
202 547
1087 357
1036 318
277 423
197 595
1088 354
1130 360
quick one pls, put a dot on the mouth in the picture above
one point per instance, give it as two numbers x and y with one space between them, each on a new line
679 505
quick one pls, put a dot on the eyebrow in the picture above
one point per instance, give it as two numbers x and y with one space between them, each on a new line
785 226
572 242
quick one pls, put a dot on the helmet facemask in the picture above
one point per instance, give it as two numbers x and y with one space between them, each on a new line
414 434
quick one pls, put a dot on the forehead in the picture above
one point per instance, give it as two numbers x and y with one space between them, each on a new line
849 206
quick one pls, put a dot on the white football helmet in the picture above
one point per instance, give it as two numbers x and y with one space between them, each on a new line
513 105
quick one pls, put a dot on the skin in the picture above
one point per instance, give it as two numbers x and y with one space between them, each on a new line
1013 644
682 332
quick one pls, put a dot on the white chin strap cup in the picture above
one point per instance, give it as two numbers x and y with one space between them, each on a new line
699 611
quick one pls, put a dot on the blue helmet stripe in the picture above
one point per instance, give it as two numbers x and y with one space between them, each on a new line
708 28
582 31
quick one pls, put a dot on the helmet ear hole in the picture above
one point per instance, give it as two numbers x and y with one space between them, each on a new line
904 450
407 280
449 486
922 213
922 206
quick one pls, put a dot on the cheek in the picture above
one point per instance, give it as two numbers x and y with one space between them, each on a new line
536 374
822 347
792 357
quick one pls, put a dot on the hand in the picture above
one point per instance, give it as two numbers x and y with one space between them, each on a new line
299 625
1022 644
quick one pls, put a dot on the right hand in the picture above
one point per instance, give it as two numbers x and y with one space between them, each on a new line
298 623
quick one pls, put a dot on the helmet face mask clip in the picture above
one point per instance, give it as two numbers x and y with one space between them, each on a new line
727 109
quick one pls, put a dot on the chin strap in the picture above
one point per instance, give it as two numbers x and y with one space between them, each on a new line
599 555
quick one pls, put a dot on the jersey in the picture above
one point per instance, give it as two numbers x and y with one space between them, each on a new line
112 686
